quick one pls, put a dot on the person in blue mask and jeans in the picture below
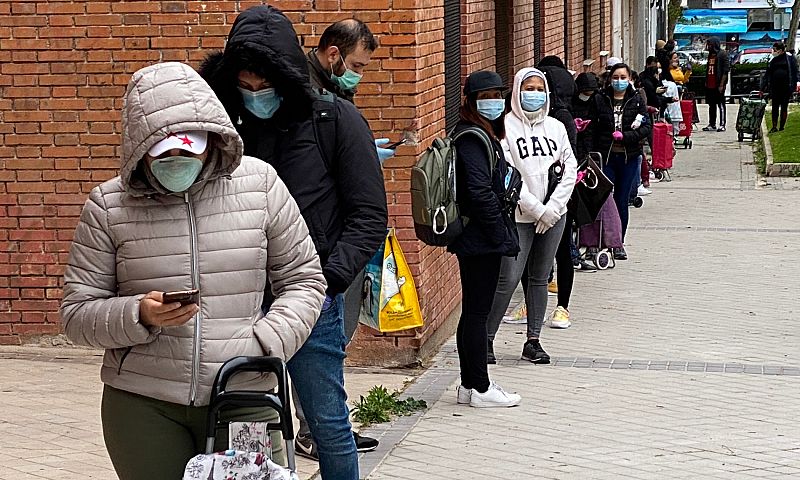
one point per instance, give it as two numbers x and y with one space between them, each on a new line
487 238
262 80
619 125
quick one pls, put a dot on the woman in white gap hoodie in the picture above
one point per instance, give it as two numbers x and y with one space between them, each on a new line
536 144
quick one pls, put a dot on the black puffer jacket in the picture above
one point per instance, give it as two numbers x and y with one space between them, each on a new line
479 196
603 125
344 202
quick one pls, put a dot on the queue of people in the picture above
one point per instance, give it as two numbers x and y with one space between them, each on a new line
256 185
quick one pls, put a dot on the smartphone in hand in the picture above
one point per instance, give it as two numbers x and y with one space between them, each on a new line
394 145
185 297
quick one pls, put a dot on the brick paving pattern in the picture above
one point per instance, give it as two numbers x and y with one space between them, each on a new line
681 363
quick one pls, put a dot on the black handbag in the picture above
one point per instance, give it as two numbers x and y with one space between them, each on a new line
554 175
591 191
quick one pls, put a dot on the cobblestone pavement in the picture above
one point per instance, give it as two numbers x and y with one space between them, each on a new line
50 415
683 362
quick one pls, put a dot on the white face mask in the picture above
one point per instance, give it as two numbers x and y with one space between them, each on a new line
584 98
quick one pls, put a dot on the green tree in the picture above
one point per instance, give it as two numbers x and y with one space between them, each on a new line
793 25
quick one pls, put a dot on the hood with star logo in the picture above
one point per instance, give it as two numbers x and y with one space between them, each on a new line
166 99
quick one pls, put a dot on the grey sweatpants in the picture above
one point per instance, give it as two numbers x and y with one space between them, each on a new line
538 252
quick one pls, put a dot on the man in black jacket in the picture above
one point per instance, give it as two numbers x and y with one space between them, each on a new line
262 80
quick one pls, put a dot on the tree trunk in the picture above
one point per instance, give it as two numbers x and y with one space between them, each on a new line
674 13
793 25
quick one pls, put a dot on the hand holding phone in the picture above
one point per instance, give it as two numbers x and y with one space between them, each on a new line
154 311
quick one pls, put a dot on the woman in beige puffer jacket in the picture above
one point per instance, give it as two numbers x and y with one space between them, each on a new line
233 230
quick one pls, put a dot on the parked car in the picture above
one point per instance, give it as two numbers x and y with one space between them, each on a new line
748 68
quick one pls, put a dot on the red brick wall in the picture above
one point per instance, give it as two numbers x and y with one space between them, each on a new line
63 70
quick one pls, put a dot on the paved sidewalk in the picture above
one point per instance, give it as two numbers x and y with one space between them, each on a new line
683 362
50 416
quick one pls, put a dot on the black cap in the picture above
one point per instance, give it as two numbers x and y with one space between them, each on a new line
586 81
483 80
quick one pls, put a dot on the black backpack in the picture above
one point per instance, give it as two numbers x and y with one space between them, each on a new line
325 123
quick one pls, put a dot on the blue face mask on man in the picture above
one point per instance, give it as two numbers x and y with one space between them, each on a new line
620 85
176 173
263 103
491 108
533 101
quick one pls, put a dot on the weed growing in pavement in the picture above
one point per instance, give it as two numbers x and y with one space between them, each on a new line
760 156
379 405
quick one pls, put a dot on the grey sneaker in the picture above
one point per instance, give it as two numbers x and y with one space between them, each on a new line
305 447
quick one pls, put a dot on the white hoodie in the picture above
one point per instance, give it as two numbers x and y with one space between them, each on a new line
534 141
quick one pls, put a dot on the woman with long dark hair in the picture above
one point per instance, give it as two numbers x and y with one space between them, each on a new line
619 124
488 236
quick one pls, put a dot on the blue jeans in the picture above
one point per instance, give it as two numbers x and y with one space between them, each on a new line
317 370
621 170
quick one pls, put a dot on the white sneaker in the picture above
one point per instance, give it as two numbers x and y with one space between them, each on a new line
642 191
494 397
464 395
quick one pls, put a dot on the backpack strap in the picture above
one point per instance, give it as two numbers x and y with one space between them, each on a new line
487 142
325 122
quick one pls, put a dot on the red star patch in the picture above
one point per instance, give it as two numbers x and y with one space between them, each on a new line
186 141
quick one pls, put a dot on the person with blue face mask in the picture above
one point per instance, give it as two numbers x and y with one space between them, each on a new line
187 212
488 237
324 151
539 147
620 123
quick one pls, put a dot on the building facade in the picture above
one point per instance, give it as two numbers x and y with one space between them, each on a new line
64 67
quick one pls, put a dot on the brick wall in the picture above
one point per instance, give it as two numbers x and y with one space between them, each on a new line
63 70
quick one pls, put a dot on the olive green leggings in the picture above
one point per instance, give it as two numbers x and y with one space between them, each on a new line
148 438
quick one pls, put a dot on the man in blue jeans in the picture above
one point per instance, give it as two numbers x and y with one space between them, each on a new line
334 176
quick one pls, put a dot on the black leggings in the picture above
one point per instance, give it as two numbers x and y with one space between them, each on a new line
780 104
479 276
565 270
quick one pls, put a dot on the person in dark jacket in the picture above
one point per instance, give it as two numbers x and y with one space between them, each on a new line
587 86
652 85
489 235
562 90
262 80
619 124
780 81
717 70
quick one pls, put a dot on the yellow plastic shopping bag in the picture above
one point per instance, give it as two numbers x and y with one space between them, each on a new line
389 301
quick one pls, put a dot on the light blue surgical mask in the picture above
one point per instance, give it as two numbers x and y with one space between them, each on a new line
263 103
491 108
177 173
533 101
348 80
620 85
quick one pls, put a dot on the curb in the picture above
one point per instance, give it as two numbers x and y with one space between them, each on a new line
776 169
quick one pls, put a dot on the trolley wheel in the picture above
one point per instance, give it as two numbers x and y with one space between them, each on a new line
659 175
686 142
741 136
602 259
690 144
638 202
613 263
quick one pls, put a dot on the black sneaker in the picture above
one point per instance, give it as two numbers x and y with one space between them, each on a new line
534 353
305 447
584 266
721 129
490 358
620 254
364 443
710 128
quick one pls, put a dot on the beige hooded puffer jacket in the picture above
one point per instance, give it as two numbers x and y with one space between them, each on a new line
236 226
